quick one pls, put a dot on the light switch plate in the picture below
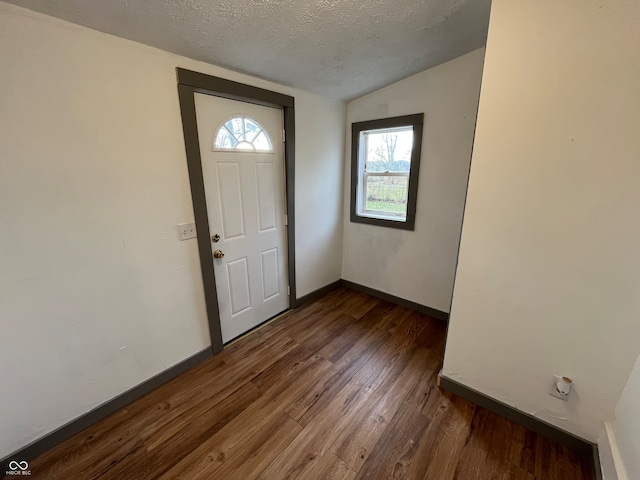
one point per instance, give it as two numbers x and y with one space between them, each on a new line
186 230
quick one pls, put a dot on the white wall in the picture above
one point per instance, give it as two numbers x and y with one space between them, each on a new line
549 267
419 265
624 430
319 164
96 292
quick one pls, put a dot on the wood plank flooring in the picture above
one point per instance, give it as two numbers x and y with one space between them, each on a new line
342 388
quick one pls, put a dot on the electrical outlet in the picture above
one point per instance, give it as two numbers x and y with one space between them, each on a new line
186 231
554 389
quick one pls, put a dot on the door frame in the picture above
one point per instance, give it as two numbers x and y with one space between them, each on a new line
189 83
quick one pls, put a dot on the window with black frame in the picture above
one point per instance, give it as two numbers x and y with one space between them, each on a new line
385 161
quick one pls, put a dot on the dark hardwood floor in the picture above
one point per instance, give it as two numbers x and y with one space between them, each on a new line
342 388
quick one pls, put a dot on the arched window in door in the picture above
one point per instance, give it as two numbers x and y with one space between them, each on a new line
242 133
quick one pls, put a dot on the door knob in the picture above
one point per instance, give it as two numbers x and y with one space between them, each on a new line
218 254
215 238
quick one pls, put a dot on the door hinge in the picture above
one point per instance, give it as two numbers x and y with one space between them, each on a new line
284 133
288 290
286 219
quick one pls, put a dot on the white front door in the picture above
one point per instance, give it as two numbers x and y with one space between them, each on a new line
241 146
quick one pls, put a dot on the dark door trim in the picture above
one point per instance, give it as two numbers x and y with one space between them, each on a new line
193 82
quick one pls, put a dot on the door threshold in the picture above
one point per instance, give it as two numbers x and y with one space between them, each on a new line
258 327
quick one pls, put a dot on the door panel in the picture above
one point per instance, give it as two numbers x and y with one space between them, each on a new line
266 196
246 207
270 279
238 275
230 188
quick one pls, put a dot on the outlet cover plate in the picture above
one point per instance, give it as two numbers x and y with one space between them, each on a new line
554 391
186 231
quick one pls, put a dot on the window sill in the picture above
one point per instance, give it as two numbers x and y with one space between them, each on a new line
381 216
383 221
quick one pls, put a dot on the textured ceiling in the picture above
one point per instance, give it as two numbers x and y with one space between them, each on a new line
335 48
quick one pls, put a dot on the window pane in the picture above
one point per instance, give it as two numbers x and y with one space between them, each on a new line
245 146
236 126
387 195
389 151
252 129
262 142
224 139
